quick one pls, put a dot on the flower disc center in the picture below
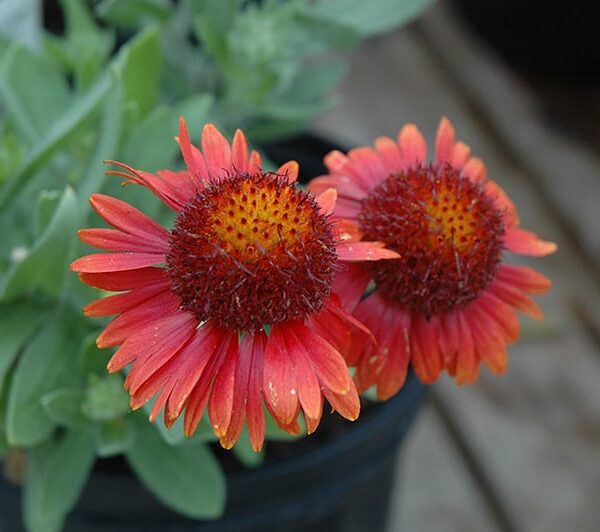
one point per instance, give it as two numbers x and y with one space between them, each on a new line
251 250
447 232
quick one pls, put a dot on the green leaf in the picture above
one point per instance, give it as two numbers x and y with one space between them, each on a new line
133 13
91 360
86 45
33 91
140 63
56 473
316 81
330 32
62 128
63 406
367 18
18 320
47 362
105 399
175 434
188 479
107 143
12 152
46 264
113 437
151 145
48 202
245 453
212 20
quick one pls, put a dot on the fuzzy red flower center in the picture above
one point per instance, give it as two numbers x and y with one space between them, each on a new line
447 232
251 250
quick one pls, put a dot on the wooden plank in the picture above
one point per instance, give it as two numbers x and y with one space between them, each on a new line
432 492
538 432
535 432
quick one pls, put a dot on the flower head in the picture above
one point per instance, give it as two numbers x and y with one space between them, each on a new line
232 307
448 302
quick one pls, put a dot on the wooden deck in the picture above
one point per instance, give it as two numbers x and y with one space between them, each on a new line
520 453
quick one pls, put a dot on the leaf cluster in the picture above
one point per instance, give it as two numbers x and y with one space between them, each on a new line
112 86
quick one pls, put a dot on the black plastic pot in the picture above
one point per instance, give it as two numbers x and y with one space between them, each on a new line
340 479
342 485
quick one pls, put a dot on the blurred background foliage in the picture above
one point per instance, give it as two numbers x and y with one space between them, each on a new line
84 81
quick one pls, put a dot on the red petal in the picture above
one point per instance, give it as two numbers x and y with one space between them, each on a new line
467 362
516 298
241 389
151 359
475 169
489 344
389 154
346 187
194 160
185 182
217 152
195 357
124 280
347 405
289 171
309 391
327 362
147 390
350 284
347 230
127 218
503 203
167 334
255 164
366 163
412 145
326 201
113 240
460 155
444 142
254 410
524 278
335 161
134 320
122 302
502 314
527 243
115 262
239 152
220 403
199 395
279 380
359 251
425 352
